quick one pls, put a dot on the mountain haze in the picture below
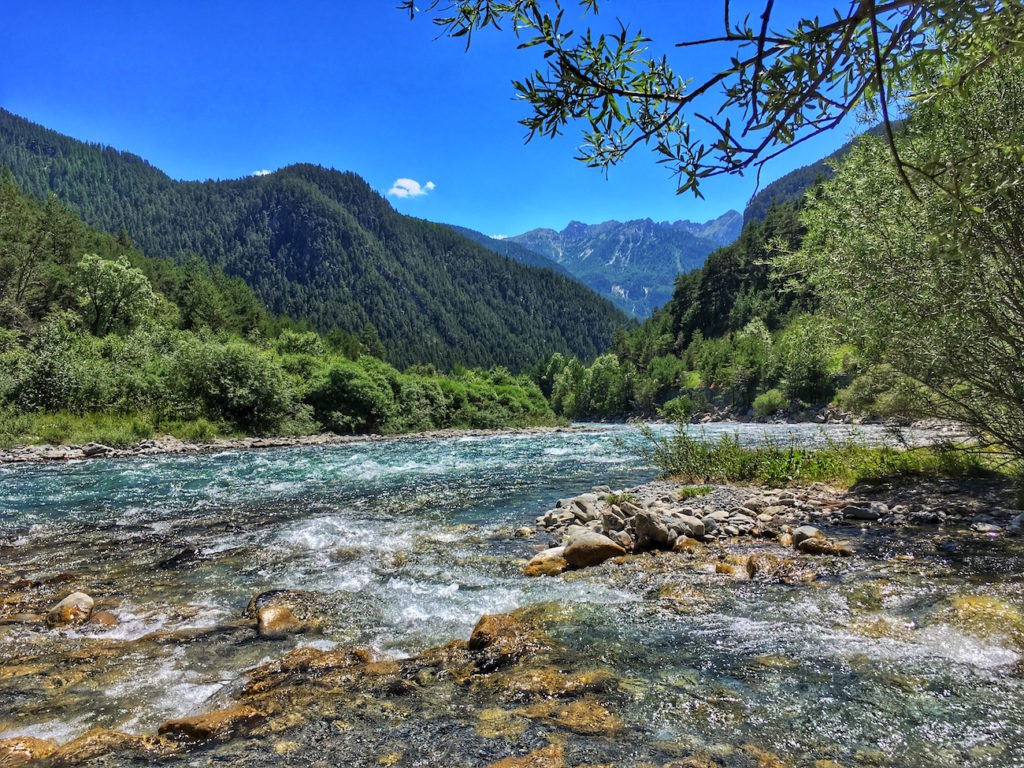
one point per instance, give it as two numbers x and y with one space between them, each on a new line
634 263
319 245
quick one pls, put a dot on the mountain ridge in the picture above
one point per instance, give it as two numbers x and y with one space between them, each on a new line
320 245
635 262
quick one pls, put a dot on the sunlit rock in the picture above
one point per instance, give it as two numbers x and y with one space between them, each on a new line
587 548
550 562
73 609
25 750
209 726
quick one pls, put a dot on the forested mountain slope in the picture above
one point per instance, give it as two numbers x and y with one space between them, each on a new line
635 262
319 245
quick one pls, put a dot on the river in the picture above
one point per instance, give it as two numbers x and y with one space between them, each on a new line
407 543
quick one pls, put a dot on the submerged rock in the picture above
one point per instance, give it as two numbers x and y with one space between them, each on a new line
587 548
103 619
219 724
548 757
73 609
100 742
24 750
823 546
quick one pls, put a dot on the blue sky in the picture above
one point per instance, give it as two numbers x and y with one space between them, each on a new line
224 89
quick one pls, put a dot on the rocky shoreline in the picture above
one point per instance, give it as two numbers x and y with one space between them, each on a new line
605 524
166 445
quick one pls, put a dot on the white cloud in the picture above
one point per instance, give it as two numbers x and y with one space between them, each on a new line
264 172
498 237
410 188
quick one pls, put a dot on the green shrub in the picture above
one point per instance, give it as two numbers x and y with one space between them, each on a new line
770 403
355 396
234 381
678 409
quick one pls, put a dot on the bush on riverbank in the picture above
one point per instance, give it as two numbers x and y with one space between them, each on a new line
695 459
100 343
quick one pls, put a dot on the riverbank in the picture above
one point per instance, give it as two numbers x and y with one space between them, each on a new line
670 516
167 445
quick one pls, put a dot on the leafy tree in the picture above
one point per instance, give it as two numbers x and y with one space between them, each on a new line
113 293
931 283
776 85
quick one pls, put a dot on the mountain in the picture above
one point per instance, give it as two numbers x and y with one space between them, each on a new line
636 262
512 250
319 245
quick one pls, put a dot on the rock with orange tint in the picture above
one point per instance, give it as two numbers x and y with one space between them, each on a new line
549 757
24 750
73 609
99 742
219 724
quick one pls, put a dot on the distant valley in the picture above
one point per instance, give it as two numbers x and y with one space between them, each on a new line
632 263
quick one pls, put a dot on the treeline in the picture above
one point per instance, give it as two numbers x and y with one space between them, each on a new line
89 325
734 337
322 247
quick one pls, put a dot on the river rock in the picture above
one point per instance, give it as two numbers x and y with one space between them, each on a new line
103 619
277 621
219 724
611 520
805 532
73 609
710 524
99 742
25 750
822 546
651 531
687 525
590 548
623 539
525 532
550 562
864 512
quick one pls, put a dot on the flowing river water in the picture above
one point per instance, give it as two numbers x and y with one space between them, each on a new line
406 543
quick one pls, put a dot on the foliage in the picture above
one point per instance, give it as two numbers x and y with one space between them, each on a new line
233 381
158 349
694 492
112 293
618 498
929 282
769 403
773 84
696 459
315 245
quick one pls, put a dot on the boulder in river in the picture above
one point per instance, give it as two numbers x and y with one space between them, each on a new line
276 621
805 532
219 724
822 546
73 609
586 548
103 619
550 562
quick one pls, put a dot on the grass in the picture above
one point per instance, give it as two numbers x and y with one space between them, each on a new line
618 498
694 460
694 492
111 429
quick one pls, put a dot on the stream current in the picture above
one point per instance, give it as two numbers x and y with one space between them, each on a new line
408 542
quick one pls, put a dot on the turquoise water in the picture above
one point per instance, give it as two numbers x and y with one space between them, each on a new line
406 543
